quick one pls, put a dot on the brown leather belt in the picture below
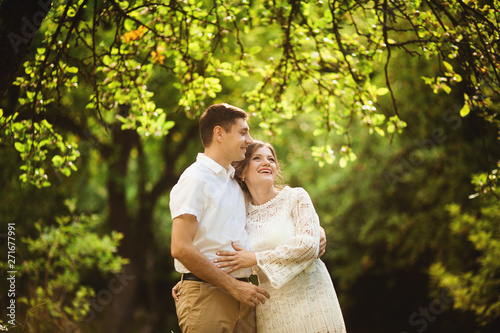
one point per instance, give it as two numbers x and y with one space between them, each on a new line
192 277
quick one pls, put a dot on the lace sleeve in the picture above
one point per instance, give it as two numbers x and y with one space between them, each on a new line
286 261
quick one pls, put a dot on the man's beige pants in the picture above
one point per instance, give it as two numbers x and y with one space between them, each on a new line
204 308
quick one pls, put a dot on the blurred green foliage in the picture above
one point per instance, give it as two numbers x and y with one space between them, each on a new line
475 288
55 263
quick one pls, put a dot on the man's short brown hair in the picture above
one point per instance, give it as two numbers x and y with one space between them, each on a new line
223 115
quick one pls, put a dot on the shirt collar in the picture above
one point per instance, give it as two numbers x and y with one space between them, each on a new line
214 166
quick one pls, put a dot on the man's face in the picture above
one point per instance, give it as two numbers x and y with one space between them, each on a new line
237 140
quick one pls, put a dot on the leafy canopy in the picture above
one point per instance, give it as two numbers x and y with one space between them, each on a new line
318 59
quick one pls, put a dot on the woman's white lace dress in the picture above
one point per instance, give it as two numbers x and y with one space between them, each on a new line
284 234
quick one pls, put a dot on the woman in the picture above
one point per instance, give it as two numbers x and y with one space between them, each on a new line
284 235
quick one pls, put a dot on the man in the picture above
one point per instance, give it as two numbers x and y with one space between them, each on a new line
208 211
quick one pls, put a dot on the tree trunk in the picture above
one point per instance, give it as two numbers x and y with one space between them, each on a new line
138 243
119 312
19 22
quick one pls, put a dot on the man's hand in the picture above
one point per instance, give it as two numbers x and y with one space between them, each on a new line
244 292
240 259
322 243
249 293
175 289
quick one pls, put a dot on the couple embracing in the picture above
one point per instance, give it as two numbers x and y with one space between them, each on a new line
230 220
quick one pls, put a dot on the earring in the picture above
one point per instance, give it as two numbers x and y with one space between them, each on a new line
242 179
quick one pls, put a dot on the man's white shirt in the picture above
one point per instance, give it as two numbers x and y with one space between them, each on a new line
210 193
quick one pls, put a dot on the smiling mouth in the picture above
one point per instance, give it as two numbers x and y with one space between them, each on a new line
266 172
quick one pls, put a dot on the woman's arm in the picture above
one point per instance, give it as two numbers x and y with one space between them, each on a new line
288 260
244 258
284 262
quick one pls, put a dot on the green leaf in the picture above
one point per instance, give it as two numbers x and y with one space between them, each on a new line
379 131
168 125
255 49
129 25
20 147
391 128
106 60
465 110
382 91
448 66
57 160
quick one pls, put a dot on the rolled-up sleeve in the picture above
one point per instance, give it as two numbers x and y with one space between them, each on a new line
187 197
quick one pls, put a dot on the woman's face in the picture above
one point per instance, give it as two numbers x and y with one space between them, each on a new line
261 169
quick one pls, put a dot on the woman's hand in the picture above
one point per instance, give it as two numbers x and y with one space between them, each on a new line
322 242
240 259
